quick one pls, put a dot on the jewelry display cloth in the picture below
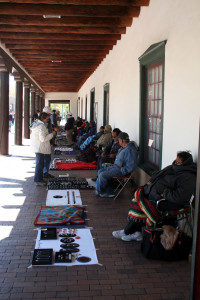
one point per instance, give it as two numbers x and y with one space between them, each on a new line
75 166
65 150
86 246
61 216
63 197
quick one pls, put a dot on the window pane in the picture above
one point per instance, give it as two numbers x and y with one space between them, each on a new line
160 91
159 107
160 72
156 91
152 79
156 74
152 108
150 124
154 124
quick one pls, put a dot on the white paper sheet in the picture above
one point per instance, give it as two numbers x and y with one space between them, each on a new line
86 247
67 197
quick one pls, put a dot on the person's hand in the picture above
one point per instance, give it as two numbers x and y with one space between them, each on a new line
112 155
103 154
55 129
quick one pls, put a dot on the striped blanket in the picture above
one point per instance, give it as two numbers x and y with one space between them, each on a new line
142 209
60 215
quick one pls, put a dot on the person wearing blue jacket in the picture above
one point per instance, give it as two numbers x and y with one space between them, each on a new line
125 162
91 132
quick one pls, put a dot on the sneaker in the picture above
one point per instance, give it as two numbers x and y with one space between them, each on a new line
41 183
118 234
137 236
47 175
107 195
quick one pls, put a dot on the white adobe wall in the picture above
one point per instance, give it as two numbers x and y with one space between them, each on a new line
178 22
64 96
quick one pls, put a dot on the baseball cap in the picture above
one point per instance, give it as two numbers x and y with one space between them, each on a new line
47 110
124 136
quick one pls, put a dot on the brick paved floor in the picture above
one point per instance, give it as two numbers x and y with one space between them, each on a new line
124 273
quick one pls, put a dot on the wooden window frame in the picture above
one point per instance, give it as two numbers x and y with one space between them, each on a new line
153 55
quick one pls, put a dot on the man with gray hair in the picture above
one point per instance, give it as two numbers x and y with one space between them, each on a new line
125 163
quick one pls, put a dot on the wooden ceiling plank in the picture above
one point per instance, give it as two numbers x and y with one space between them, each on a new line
85 2
66 21
33 35
42 52
62 47
65 30
55 41
68 10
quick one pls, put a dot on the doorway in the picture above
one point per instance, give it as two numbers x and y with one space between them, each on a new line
63 106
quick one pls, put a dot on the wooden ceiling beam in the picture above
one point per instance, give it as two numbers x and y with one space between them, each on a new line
63 29
43 53
68 10
67 21
55 41
57 36
67 69
42 47
85 2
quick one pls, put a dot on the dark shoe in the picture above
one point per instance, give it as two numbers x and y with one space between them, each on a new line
41 183
47 175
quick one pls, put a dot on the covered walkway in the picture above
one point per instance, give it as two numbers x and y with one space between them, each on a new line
123 274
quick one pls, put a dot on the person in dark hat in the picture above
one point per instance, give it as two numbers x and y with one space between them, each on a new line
125 162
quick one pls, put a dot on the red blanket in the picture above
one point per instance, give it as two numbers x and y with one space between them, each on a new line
76 166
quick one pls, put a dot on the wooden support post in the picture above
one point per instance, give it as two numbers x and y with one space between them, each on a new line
37 101
26 109
32 101
4 104
18 108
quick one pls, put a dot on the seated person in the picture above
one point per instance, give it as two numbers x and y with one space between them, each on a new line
91 132
92 139
106 136
125 163
110 151
168 189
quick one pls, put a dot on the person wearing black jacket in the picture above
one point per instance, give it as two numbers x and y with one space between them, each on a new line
168 189
69 126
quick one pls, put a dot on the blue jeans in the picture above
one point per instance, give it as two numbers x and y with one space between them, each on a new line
41 166
47 161
103 184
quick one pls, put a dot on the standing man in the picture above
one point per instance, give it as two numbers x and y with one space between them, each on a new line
40 145
47 158
54 119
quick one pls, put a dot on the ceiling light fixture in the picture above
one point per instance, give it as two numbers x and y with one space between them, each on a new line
56 61
51 17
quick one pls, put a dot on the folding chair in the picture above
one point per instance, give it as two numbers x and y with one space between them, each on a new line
122 182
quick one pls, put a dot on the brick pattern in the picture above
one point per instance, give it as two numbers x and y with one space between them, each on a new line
123 274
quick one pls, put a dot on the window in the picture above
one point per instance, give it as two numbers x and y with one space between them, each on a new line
151 107
106 104
85 107
92 100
